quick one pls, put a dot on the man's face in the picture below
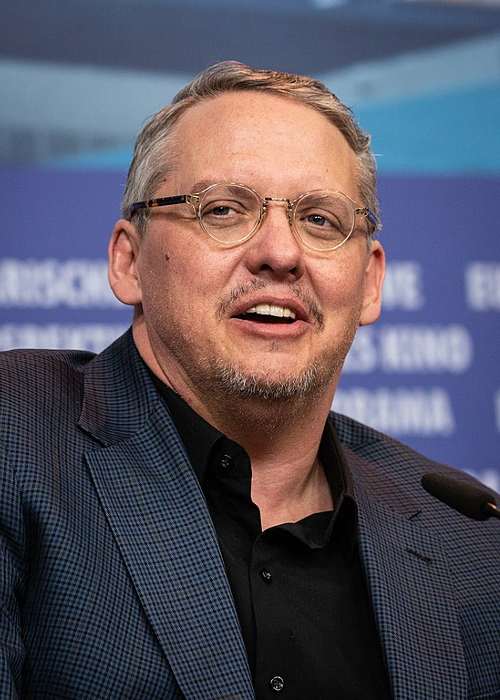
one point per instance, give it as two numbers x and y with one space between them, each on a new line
195 293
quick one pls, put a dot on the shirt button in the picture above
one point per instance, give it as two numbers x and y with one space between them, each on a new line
277 684
226 461
267 576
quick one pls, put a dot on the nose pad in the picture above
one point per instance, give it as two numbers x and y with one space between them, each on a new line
289 213
277 251
278 200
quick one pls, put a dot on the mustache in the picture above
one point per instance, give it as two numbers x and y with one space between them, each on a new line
243 290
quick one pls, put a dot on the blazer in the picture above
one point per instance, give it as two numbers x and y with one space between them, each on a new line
112 584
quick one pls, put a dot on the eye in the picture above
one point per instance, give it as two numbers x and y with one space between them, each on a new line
225 213
324 215
318 220
222 210
219 210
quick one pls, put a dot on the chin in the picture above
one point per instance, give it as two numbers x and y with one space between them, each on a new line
274 386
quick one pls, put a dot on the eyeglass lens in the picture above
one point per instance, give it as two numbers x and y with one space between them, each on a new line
230 213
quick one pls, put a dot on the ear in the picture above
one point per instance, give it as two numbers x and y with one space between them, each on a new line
374 279
123 253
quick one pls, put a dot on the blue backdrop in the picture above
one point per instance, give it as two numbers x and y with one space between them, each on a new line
423 79
427 372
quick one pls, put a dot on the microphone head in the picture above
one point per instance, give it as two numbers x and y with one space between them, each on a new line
469 499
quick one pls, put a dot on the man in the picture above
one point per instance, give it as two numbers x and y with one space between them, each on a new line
181 516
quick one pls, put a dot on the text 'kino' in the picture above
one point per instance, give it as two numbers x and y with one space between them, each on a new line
411 348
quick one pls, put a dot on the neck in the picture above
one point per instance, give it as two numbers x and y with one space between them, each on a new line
281 438
288 480
282 441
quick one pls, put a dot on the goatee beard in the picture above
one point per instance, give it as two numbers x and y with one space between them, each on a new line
234 383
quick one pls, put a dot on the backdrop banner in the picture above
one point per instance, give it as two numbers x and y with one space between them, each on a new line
426 373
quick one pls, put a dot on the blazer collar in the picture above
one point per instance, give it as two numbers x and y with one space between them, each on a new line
412 595
119 393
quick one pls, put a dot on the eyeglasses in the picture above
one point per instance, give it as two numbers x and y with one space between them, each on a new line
231 214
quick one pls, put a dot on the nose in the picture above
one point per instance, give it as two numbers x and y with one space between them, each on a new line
274 251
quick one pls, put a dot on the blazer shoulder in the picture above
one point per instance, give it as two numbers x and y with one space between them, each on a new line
371 443
389 458
18 367
353 433
39 380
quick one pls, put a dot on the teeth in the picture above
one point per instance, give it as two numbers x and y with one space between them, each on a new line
272 310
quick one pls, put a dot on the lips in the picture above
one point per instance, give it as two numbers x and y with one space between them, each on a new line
269 313
270 310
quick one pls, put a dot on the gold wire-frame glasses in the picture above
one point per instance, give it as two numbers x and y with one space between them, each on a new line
231 213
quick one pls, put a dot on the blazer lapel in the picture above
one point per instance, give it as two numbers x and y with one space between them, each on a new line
412 597
161 524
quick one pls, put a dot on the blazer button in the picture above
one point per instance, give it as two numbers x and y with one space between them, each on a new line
266 575
226 462
277 684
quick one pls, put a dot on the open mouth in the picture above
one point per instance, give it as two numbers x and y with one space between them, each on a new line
268 313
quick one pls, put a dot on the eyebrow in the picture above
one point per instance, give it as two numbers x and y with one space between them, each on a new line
203 184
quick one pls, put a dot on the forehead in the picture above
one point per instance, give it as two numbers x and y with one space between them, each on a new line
263 140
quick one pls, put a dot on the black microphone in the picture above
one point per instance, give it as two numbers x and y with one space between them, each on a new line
469 499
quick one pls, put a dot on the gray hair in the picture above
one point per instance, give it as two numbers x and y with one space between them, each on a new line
152 162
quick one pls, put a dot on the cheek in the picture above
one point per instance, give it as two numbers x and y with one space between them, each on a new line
177 287
156 278
153 269
342 286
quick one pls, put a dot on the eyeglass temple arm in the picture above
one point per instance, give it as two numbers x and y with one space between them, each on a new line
365 211
159 202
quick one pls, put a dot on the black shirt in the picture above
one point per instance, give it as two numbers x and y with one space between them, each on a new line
298 588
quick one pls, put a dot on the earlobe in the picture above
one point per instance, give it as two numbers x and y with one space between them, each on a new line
123 251
374 279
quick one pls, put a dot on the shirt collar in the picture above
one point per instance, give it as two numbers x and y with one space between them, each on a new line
198 436
199 439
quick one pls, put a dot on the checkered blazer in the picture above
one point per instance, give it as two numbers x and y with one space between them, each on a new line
111 580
